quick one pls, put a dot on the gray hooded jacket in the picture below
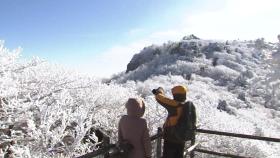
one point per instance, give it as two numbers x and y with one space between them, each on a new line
133 129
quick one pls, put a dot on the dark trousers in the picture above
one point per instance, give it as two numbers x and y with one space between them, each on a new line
173 150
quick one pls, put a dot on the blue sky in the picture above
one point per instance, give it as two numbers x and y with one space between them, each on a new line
99 37
86 26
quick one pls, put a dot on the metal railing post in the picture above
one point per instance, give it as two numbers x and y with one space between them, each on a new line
192 143
159 142
106 141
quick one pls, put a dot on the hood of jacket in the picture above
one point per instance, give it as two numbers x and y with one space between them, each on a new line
135 107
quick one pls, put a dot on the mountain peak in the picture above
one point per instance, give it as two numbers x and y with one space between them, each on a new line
191 37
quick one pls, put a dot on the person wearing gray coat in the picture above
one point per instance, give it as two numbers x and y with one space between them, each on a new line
134 130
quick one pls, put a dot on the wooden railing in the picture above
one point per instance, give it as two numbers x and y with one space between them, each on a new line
110 149
269 139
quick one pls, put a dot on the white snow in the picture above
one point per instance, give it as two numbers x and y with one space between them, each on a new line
47 104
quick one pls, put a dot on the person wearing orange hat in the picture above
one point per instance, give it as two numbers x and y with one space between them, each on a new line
173 148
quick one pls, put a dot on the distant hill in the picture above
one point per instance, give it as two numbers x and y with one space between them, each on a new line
249 67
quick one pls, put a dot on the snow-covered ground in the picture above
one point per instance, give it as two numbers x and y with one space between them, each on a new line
234 85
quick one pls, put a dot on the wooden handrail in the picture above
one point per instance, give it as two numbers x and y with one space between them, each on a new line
112 146
231 135
238 135
193 147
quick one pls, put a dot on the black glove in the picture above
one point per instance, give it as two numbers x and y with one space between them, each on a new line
154 91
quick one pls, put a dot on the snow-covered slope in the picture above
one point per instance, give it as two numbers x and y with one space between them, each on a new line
46 110
240 66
